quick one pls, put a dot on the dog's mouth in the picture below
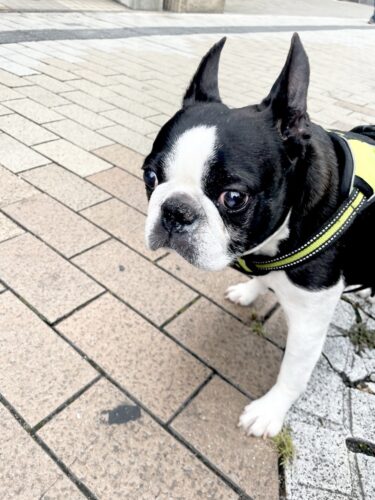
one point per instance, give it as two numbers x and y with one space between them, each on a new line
181 243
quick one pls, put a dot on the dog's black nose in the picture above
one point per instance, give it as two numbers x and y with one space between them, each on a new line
178 212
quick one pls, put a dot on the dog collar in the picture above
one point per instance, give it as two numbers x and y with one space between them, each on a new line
359 153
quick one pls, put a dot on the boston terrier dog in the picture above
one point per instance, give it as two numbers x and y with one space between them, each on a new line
268 191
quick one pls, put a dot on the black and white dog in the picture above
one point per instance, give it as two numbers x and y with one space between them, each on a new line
259 180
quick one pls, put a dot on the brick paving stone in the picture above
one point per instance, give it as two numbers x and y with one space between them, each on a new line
142 285
124 186
58 226
38 370
366 466
10 80
159 119
26 471
128 138
8 229
133 459
6 93
43 96
137 355
209 423
44 279
78 134
123 222
4 110
228 345
72 157
214 285
17 157
122 157
131 121
84 116
363 410
15 68
66 187
33 110
48 83
87 101
276 328
25 130
12 188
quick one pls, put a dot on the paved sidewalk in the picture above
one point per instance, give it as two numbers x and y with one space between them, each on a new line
122 371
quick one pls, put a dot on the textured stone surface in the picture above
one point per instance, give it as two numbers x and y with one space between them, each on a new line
12 188
28 380
156 464
8 229
145 287
214 285
366 467
209 422
276 328
143 360
363 411
228 345
25 130
44 279
65 186
33 110
78 134
122 157
17 157
125 223
26 471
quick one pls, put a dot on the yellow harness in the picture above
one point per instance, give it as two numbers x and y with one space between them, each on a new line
361 154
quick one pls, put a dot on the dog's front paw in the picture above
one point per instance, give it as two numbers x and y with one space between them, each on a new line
366 294
264 416
243 293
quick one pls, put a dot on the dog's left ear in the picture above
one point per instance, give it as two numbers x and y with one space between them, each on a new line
288 96
204 86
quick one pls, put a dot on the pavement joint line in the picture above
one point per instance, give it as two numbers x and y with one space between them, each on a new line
38 35
64 405
78 308
151 414
90 248
180 311
66 471
96 204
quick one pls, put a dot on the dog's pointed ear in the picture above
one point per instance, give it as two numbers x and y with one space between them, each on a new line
204 86
288 96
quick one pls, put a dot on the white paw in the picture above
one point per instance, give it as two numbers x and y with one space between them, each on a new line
243 293
366 294
264 416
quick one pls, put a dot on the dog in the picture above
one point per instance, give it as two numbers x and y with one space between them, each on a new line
245 186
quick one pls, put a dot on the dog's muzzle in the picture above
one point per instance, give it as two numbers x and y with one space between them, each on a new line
179 213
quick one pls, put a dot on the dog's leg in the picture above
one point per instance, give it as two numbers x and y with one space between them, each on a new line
308 314
245 293
366 294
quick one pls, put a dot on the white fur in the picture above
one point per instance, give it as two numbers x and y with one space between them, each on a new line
270 245
245 293
185 167
308 315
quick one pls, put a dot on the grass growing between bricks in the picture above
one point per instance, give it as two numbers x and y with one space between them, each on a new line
361 336
284 446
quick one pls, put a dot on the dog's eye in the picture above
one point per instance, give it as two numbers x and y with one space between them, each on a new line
150 178
233 200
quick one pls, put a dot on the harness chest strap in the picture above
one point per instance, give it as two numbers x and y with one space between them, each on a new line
362 193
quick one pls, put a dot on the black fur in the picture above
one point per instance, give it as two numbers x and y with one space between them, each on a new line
284 162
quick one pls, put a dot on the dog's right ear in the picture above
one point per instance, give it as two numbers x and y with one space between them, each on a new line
204 86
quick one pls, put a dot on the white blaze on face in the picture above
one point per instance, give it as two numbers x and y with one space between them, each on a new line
185 167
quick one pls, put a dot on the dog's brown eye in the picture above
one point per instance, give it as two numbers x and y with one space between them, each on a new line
150 178
233 200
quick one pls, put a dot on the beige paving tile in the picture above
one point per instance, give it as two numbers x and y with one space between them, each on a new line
17 157
48 83
276 328
124 186
33 110
122 157
137 355
78 134
87 101
4 110
26 471
25 130
142 285
72 157
159 119
38 370
84 116
8 229
55 224
214 285
232 348
44 279
124 222
128 138
10 80
43 96
7 93
12 188
209 423
131 121
135 459
66 187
